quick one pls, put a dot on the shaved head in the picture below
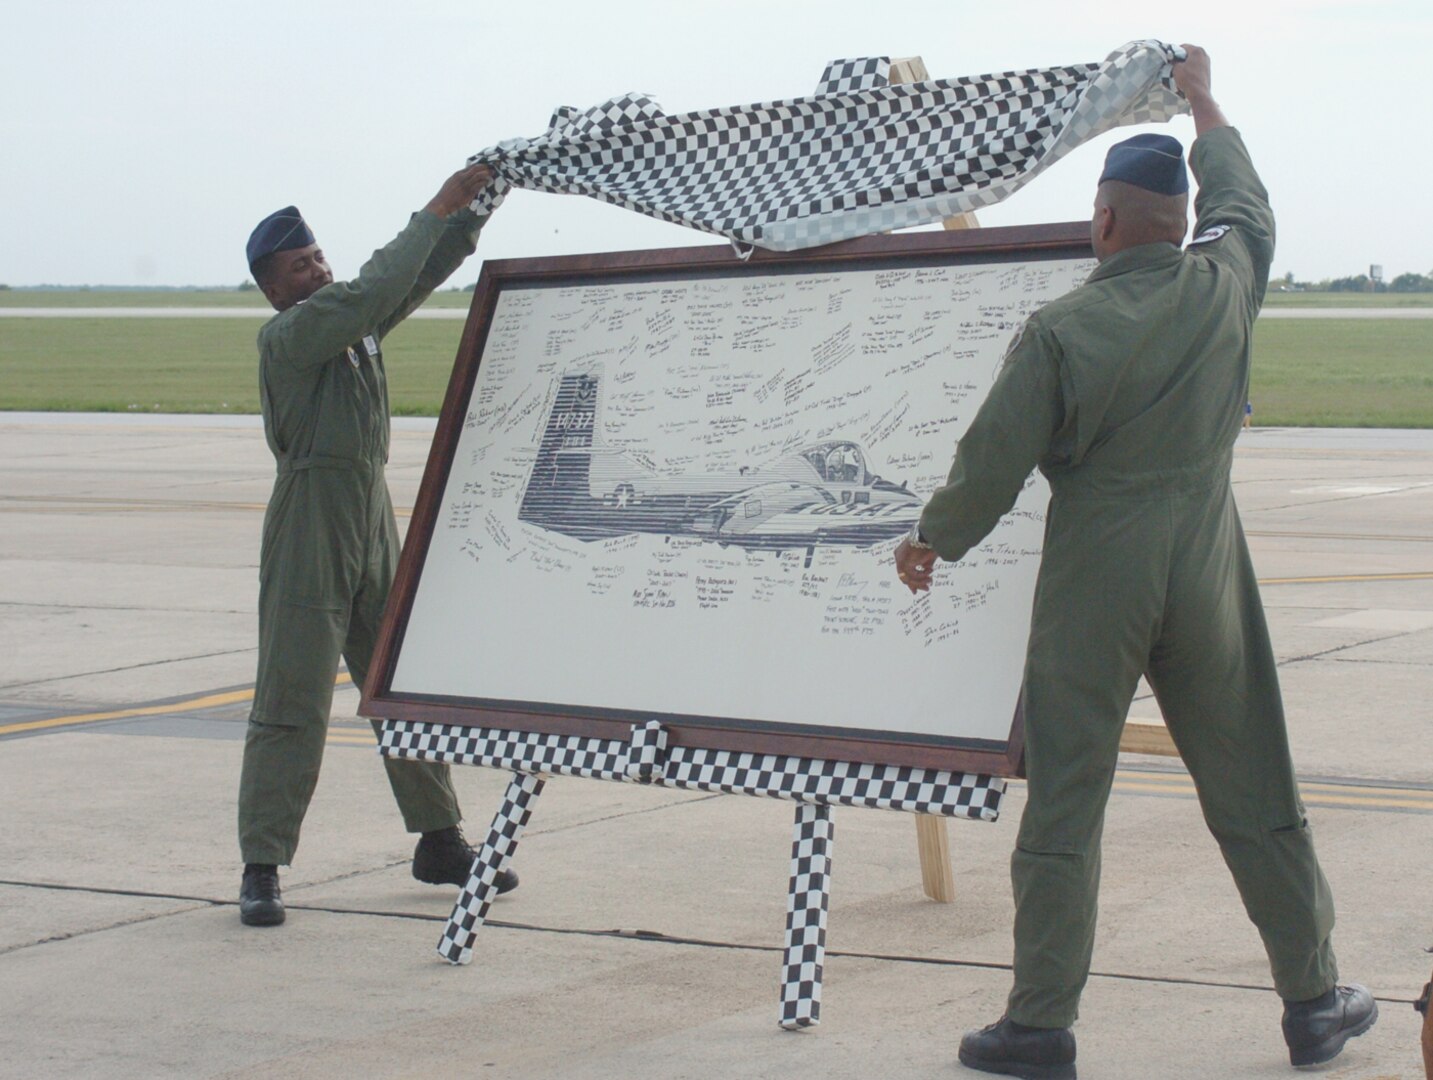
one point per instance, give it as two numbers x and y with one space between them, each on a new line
1127 216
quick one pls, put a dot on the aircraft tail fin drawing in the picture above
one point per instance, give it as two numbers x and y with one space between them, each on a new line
564 456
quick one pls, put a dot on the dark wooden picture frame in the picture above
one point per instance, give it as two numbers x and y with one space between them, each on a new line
1002 247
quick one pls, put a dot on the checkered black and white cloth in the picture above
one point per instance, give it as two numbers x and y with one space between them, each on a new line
859 156
647 759
807 901
471 910
814 785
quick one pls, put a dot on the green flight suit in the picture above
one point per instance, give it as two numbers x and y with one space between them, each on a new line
330 545
1128 394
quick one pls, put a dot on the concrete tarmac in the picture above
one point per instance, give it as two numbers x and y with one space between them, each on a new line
645 938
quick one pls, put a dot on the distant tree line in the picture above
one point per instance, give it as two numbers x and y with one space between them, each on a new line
1360 283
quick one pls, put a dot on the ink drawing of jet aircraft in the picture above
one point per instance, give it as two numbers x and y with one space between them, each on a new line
817 495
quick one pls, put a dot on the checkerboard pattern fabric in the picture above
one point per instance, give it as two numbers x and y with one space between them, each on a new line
860 156
521 751
648 748
853 76
815 785
471 910
809 780
806 907
879 787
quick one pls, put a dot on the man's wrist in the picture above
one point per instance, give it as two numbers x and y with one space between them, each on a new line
1205 110
917 539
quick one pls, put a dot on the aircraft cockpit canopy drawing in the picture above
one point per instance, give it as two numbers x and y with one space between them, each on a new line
837 462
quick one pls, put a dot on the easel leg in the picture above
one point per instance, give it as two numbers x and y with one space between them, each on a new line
806 906
933 842
456 945
932 839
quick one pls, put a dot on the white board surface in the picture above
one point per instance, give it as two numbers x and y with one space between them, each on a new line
681 497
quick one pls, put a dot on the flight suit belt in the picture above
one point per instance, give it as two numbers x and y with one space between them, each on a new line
1091 482
323 461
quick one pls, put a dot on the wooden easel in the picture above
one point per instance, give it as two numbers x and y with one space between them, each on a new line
813 785
932 833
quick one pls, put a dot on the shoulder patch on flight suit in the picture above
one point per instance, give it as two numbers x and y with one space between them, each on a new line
1014 343
370 345
1212 233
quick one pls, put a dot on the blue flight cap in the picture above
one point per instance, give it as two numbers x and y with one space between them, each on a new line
1152 162
283 230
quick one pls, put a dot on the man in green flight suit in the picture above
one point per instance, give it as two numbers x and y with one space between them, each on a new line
1128 395
330 544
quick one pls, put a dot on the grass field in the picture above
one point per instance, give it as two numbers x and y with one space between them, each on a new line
1343 373
186 365
169 298
1307 373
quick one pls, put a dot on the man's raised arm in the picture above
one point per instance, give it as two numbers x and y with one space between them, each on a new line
458 241
1191 76
341 313
1231 194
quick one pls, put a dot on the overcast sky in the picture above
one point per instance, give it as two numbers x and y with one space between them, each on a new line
140 142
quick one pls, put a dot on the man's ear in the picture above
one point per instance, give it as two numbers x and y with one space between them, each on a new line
1107 221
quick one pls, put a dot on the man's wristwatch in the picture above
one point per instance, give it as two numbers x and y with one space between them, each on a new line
915 539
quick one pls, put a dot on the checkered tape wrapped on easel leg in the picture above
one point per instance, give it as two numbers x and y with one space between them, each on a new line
806 907
815 785
847 783
647 752
456 944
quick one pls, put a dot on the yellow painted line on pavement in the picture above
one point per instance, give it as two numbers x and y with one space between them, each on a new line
1314 792
1420 576
1404 801
1282 534
355 738
1126 781
1366 795
207 701
1156 788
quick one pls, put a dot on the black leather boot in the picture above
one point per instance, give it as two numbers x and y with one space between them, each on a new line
259 901
1316 1030
1013 1049
444 858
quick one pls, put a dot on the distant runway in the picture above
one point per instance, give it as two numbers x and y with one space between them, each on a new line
462 313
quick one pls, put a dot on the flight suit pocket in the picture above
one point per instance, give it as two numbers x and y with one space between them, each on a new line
299 648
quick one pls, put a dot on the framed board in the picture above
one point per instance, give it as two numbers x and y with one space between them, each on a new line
668 484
